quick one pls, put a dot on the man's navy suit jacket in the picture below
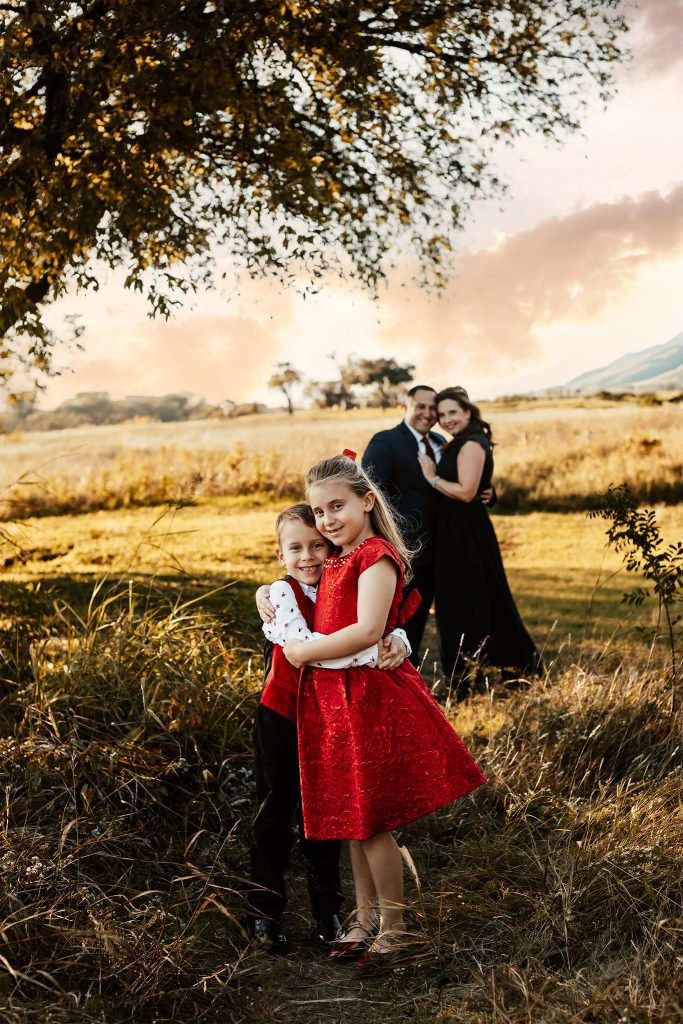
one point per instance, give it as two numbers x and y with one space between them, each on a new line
391 460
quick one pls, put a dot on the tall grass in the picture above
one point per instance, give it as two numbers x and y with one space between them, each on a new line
550 459
553 894
558 894
123 767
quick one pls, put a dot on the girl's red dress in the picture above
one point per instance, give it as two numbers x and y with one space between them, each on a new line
375 749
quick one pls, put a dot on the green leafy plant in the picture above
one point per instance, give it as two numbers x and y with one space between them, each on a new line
635 532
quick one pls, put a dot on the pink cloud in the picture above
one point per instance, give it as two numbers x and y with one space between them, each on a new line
659 30
564 269
219 357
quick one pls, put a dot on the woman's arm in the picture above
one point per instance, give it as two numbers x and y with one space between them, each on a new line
471 459
376 586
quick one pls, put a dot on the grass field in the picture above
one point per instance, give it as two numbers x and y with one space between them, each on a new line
548 459
129 672
221 542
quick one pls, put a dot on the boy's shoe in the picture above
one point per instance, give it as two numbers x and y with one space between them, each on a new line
268 935
328 929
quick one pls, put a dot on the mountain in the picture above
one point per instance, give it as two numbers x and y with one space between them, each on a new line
659 368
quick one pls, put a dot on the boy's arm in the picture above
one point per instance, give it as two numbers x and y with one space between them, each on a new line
376 587
290 624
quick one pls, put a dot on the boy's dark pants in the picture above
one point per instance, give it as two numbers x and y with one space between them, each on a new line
278 802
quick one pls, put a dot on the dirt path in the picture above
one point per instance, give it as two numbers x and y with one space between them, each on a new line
307 987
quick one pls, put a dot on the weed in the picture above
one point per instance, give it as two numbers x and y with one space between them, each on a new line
636 532
125 775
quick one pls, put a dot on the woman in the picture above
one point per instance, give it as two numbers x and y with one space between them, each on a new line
476 613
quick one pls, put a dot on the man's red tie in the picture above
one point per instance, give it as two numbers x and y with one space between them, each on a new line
428 449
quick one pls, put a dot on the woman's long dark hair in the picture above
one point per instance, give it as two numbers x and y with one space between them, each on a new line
477 424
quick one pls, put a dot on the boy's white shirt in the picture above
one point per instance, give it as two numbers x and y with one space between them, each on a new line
290 624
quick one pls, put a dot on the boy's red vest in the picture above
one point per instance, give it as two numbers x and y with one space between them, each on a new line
282 685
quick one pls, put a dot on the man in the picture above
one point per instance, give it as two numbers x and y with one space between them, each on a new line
391 461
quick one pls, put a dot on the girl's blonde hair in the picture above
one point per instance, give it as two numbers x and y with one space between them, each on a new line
383 517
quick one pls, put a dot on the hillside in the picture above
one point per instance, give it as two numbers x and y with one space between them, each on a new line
657 368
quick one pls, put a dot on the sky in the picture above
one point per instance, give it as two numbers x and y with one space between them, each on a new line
580 263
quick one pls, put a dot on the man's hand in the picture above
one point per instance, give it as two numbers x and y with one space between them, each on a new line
392 652
263 605
294 652
428 467
486 495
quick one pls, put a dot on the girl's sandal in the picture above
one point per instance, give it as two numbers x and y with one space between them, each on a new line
351 949
390 954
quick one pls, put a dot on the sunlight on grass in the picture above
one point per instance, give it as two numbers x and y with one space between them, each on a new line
216 542
129 670
549 459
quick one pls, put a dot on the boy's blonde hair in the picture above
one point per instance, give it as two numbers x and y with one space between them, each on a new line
383 517
299 513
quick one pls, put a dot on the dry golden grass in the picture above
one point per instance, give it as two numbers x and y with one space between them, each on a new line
548 459
567 584
553 895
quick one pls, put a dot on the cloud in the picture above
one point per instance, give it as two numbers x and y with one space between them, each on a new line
658 29
219 356
565 269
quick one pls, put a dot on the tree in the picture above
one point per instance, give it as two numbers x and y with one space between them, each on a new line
329 394
384 378
381 379
297 135
284 380
343 386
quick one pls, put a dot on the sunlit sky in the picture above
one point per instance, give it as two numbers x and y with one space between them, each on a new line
580 263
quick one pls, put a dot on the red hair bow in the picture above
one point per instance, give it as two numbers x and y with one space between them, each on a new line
349 454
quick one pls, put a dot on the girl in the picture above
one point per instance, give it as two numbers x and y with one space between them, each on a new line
375 749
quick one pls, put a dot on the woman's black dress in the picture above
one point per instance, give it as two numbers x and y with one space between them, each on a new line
475 612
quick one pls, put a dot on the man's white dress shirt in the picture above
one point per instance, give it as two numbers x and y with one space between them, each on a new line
420 438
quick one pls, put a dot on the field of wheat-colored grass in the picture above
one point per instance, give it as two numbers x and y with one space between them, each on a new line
550 459
553 894
568 585
130 667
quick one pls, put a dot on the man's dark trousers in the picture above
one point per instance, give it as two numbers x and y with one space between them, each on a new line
278 804
423 581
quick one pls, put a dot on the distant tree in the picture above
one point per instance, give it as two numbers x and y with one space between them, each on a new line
247 409
306 135
17 411
385 379
224 408
284 380
343 386
329 394
95 406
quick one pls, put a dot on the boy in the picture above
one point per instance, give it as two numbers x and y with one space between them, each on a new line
302 551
